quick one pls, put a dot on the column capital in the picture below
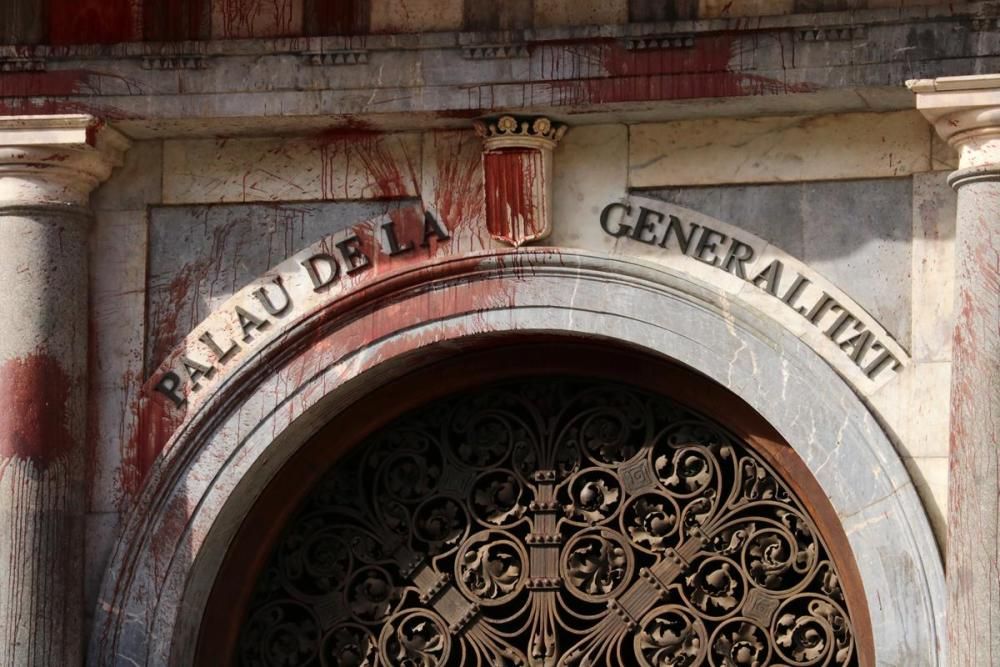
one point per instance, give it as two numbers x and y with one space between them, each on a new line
55 160
965 112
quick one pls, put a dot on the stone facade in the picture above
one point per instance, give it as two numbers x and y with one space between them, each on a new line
752 183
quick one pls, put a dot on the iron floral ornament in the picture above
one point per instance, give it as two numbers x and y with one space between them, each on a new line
517 172
551 522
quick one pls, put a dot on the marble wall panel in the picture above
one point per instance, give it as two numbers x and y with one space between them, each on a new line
590 169
855 233
916 408
933 266
118 248
778 149
341 164
930 478
201 255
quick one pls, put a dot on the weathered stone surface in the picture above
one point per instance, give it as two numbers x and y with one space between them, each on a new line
559 13
200 256
855 233
933 266
591 169
930 478
768 150
403 16
118 250
344 164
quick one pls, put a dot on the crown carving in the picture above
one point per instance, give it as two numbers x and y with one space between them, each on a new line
513 131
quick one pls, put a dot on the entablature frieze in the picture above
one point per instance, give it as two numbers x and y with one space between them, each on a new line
808 62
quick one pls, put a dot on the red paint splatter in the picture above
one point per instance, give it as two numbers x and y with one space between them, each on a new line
604 71
458 197
34 422
512 196
386 175
91 21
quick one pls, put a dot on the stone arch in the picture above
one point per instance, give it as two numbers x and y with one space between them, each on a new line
233 440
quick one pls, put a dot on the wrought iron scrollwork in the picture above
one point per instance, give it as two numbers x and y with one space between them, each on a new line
551 522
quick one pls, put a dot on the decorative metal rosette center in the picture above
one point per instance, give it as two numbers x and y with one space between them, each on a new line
550 522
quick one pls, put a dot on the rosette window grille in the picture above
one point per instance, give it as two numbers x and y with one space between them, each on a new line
551 522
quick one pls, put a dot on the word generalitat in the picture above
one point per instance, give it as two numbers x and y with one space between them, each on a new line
273 300
731 255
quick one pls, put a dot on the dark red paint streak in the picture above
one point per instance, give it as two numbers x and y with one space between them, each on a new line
92 21
33 423
509 191
41 84
40 93
387 176
608 73
458 196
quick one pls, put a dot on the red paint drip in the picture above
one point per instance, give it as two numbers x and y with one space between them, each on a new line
33 424
510 178
256 18
606 72
369 150
459 195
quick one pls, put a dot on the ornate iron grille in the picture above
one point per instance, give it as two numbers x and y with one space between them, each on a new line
550 522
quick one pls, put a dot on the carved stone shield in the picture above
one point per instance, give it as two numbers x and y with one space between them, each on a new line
517 169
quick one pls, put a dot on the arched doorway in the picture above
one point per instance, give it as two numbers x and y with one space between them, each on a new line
541 503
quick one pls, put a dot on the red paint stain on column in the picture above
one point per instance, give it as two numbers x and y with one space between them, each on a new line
34 423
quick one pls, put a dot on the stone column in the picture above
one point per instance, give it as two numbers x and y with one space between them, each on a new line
48 167
965 111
